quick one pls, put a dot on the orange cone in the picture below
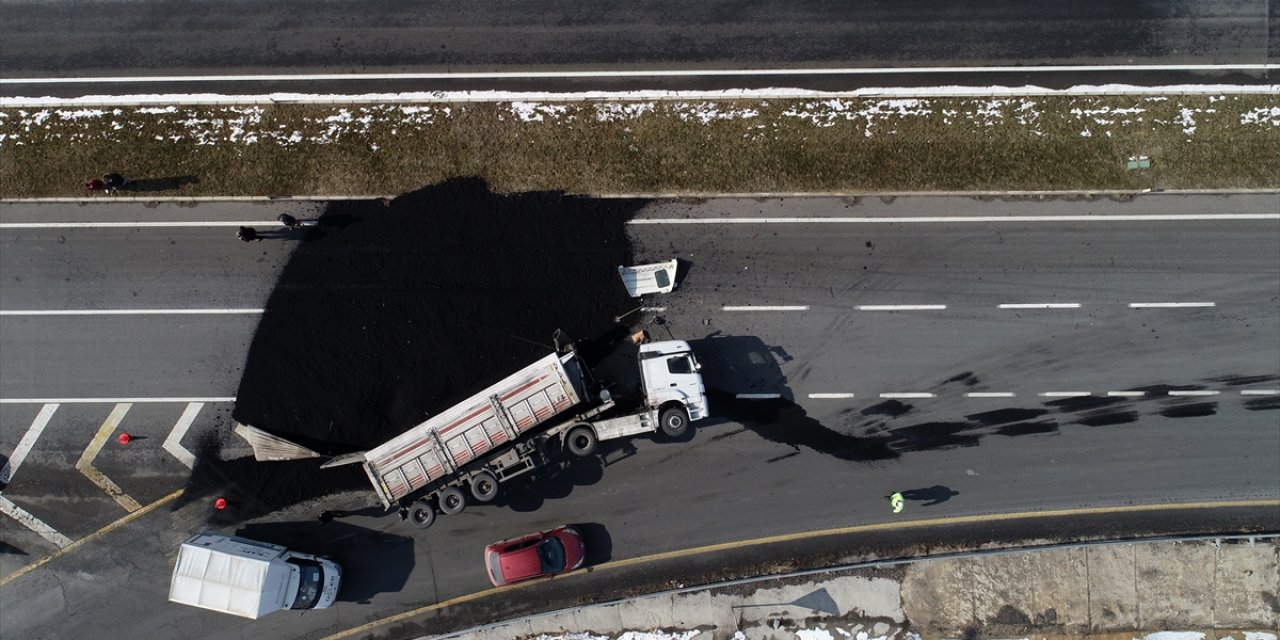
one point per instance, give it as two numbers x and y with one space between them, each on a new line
124 438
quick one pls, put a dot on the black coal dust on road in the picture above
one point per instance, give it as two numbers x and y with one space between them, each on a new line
394 311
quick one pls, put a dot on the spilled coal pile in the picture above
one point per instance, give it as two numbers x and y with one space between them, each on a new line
389 312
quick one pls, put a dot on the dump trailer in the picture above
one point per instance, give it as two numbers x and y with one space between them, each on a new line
250 579
521 423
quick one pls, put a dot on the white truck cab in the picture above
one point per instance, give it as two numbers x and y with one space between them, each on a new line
670 375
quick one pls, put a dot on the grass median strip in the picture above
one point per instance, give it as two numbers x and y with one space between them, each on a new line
671 146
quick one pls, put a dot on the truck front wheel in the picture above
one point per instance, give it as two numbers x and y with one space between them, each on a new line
674 421
452 501
581 441
422 514
484 486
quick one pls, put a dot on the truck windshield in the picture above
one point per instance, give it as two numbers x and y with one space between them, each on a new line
309 581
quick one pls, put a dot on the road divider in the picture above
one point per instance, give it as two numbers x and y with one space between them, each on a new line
85 464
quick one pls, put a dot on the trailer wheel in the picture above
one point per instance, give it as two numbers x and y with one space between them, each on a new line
422 514
674 421
581 441
484 486
452 501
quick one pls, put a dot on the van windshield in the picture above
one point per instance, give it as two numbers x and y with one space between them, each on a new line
311 576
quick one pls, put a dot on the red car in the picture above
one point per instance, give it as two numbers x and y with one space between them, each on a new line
545 553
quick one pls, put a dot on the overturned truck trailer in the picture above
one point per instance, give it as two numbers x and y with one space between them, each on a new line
519 423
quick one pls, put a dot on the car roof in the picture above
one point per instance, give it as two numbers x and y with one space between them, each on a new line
520 564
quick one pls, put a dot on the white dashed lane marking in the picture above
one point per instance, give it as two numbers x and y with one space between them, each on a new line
1064 394
765 308
990 394
1169 305
901 307
1127 394
1260 392
905 395
758 396
1199 392
1042 305
830 396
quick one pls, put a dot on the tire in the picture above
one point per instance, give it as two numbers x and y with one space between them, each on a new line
674 421
421 514
581 441
452 501
484 486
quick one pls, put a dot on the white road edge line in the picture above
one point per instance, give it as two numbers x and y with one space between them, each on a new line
33 523
1127 394
656 73
1260 392
28 441
1064 394
1046 305
126 312
1194 392
759 396
1136 217
128 225
990 394
905 395
1168 305
108 400
830 396
901 307
173 441
765 308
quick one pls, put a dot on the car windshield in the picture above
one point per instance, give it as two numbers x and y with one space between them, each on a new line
308 584
551 553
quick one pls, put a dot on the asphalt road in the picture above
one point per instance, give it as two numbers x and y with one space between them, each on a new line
79 38
762 467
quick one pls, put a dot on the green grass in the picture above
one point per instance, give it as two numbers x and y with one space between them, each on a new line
937 144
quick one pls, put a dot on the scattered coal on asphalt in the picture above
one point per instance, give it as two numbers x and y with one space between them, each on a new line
391 311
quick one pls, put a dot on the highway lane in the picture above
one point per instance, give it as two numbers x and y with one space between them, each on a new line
162 38
769 467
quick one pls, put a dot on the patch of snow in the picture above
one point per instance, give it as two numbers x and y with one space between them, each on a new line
1173 635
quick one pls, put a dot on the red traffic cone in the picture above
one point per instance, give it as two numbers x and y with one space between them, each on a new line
124 438
220 504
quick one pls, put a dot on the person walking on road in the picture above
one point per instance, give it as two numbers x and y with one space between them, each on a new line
289 221
248 234
896 501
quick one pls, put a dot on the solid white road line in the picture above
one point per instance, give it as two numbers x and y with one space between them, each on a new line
758 396
1168 305
33 523
990 394
128 225
1127 394
173 442
1064 394
901 307
1046 305
1137 217
85 464
830 396
905 395
126 312
654 73
1194 392
1260 392
29 440
109 400
765 308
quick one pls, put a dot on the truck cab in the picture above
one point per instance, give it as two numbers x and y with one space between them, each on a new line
670 375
